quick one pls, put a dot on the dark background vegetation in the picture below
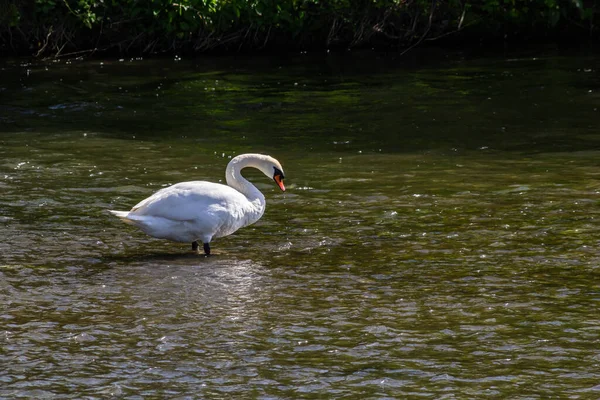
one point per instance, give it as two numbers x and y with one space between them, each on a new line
51 28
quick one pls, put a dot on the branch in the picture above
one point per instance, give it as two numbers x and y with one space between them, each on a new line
70 54
433 4
267 37
460 25
40 51
332 31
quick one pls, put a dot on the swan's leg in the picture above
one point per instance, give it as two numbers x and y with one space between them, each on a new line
207 249
195 245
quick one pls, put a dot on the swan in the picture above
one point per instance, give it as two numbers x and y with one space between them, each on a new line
199 210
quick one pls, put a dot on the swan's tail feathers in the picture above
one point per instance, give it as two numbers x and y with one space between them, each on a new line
124 215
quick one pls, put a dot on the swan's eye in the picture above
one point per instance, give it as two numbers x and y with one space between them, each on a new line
278 173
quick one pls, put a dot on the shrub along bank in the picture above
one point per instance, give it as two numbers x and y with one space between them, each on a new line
59 27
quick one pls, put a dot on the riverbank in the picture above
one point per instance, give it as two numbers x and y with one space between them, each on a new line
49 28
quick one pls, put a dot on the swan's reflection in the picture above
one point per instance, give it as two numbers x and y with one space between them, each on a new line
213 298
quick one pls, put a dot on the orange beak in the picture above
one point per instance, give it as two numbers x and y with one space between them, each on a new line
279 182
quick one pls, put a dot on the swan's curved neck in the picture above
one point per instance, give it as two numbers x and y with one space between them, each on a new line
234 178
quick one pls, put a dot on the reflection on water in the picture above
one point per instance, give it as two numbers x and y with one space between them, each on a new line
79 329
431 241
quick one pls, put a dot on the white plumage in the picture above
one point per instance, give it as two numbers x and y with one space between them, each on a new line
199 210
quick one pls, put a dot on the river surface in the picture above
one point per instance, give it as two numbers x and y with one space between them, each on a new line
439 238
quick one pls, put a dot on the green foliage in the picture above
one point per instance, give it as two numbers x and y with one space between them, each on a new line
154 25
521 14
9 14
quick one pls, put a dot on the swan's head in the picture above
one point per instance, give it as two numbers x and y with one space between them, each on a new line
273 169
266 164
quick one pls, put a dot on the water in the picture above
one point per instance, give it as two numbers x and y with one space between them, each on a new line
439 235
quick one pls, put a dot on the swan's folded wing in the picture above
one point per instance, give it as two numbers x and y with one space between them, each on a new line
189 200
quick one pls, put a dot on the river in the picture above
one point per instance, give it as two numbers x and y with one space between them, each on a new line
439 236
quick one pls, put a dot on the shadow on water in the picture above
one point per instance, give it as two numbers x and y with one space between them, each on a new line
156 257
183 259
458 103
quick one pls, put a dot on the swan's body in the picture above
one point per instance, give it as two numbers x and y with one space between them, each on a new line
198 210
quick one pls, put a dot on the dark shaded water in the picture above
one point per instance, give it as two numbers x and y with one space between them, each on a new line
439 235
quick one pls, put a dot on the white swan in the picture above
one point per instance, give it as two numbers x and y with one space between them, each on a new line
199 210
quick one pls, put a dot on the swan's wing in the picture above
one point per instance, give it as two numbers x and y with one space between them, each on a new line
191 200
